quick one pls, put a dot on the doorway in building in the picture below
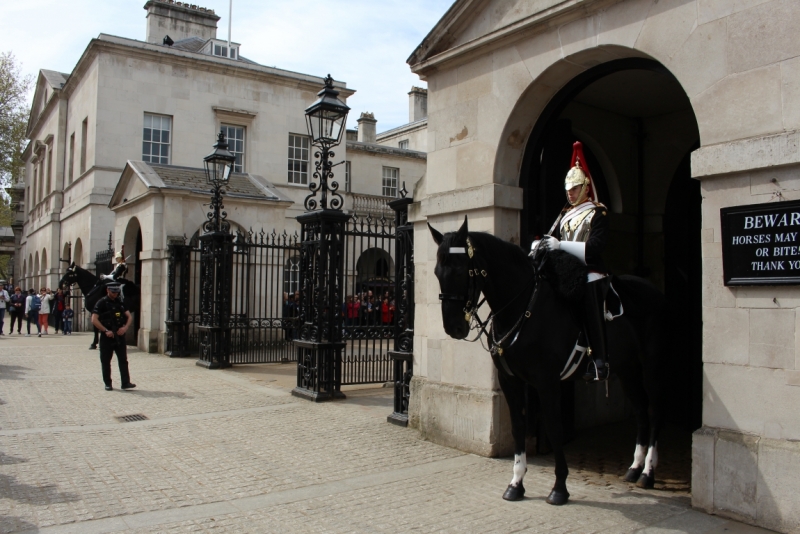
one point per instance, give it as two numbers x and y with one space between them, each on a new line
638 130
133 258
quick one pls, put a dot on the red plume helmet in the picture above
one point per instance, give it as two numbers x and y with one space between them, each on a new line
579 174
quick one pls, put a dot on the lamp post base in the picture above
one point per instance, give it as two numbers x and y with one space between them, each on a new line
318 396
212 365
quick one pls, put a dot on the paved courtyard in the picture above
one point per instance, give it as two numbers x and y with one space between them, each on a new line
233 451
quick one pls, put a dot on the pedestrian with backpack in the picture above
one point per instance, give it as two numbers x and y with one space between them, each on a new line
32 306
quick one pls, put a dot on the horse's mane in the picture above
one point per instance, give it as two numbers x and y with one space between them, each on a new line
510 251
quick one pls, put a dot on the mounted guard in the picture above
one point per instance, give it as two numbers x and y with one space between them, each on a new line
582 230
120 269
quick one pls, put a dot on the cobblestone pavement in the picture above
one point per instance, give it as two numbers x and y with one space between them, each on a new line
233 451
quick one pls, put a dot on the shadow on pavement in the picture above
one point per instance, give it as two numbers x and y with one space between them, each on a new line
15 524
12 372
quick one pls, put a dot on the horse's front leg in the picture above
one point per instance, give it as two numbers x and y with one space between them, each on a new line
549 389
514 391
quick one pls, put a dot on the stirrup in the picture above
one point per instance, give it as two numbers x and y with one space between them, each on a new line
595 377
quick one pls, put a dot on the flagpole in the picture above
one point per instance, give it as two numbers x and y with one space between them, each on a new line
230 18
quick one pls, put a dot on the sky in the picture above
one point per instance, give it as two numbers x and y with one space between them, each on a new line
364 43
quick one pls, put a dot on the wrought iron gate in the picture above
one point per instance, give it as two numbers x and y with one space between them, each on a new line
369 307
262 319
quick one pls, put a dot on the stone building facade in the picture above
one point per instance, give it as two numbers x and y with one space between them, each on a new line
684 107
129 104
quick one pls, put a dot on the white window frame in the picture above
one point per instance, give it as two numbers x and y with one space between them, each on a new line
236 145
391 177
403 144
348 184
155 126
299 151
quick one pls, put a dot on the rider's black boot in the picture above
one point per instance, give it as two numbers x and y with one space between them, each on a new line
595 324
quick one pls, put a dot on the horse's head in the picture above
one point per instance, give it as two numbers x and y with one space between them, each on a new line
452 270
70 277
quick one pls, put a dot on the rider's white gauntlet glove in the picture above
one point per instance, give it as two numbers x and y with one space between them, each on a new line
534 247
552 243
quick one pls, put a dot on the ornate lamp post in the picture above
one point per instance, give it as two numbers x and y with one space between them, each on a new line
325 119
216 264
319 345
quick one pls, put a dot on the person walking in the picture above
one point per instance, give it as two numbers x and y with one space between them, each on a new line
17 310
4 301
32 306
113 320
46 297
67 316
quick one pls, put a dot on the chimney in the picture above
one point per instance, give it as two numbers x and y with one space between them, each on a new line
180 20
366 127
417 104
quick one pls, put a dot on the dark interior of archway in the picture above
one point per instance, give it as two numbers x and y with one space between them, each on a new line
137 279
638 130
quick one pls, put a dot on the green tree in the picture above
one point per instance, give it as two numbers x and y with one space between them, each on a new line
14 113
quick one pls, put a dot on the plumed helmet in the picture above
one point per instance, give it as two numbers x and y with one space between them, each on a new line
579 175
118 255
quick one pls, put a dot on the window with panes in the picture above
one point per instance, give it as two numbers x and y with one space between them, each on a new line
235 137
298 159
390 177
156 138
347 183
404 144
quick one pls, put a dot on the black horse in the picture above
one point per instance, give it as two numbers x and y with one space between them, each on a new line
93 288
534 334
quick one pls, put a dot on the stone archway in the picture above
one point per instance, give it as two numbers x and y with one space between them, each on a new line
77 252
638 128
132 243
43 270
35 274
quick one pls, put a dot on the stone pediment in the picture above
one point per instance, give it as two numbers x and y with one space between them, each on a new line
139 179
47 83
474 21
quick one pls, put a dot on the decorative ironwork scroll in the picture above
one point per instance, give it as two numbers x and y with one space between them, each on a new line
216 267
402 355
319 345
178 280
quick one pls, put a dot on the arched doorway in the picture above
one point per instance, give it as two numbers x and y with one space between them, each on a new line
638 130
43 277
132 243
374 272
35 275
77 253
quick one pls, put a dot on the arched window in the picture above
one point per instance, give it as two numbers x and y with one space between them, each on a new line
291 275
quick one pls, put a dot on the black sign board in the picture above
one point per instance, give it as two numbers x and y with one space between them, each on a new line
761 244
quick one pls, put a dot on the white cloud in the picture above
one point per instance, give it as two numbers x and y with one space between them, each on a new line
362 42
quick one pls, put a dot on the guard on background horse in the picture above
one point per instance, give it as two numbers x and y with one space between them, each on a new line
582 230
120 269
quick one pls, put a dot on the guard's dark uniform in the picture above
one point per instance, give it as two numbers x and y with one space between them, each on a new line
112 316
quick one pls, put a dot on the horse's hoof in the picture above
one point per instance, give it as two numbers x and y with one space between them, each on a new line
633 475
558 498
646 481
514 493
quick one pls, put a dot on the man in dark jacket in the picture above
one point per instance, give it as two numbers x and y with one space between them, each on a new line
17 310
112 320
